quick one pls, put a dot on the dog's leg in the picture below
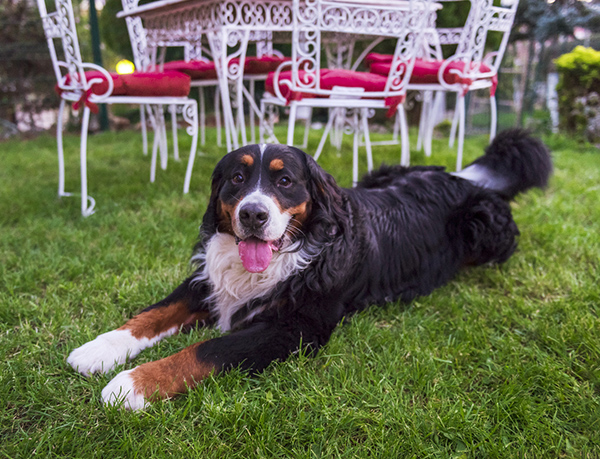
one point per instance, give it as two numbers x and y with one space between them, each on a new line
249 349
183 308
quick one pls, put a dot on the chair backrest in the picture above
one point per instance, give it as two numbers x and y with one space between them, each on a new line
472 38
149 58
137 37
69 69
400 19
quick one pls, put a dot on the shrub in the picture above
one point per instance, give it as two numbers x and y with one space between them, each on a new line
578 92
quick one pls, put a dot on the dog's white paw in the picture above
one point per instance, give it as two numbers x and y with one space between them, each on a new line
120 390
105 352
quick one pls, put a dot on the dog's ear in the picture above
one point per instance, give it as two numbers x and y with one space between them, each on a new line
327 199
210 221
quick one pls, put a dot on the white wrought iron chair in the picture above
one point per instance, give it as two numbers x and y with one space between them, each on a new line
86 84
473 66
307 84
201 71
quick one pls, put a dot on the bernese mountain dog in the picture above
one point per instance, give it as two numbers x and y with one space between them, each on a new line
285 254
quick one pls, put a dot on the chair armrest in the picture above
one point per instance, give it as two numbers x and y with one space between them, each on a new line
106 76
285 82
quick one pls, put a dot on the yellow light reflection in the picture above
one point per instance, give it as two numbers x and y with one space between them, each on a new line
125 67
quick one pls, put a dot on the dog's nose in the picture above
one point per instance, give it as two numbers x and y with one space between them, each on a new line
254 215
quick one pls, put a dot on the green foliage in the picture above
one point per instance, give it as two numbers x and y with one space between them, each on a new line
500 363
578 90
581 67
26 75
114 30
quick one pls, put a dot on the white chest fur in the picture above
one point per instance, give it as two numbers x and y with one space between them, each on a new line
232 285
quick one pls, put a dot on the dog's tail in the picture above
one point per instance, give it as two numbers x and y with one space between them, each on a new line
512 163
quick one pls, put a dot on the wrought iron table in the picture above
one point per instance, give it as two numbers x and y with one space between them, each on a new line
231 24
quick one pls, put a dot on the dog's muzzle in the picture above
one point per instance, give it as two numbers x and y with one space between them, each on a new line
254 216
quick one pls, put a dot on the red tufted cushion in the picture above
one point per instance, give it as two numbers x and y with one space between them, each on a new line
139 84
198 70
205 70
426 72
373 58
261 65
335 77
145 84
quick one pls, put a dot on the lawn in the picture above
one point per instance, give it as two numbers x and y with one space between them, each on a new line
504 361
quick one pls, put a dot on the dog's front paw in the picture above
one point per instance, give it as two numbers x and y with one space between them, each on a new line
121 391
105 352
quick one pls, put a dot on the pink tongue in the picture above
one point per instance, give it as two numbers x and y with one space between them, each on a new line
255 254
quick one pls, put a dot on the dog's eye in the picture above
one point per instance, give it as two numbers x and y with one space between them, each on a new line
238 178
284 182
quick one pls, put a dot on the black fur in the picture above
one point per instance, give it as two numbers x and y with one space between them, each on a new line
399 234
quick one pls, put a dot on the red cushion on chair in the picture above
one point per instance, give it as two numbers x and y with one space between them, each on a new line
353 79
426 72
373 58
260 65
335 77
198 70
285 90
263 65
329 79
144 84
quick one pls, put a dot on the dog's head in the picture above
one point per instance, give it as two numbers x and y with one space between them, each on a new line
266 196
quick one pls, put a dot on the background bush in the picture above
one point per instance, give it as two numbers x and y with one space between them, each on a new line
579 93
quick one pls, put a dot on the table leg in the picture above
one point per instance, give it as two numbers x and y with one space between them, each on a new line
231 80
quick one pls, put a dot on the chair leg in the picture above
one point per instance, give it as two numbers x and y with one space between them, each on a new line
153 115
326 132
218 116
437 106
494 117
190 114
292 123
365 128
396 129
61 156
144 130
339 118
87 202
251 113
422 120
355 148
161 126
265 124
405 145
307 128
173 110
261 120
241 120
454 123
202 109
461 131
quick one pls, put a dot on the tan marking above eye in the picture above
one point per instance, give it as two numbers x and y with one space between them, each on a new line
247 160
276 165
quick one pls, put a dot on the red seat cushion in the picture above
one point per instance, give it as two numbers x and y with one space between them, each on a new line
138 84
373 58
261 65
334 77
198 70
426 72
329 79
144 84
206 70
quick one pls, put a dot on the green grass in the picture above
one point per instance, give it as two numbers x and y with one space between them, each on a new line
503 362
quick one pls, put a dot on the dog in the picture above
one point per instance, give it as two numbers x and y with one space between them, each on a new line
285 254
